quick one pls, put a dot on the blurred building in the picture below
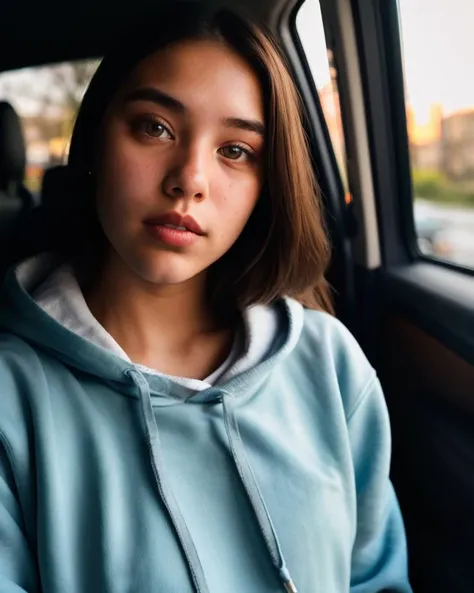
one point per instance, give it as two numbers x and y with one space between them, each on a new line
457 134
426 147
443 143
329 99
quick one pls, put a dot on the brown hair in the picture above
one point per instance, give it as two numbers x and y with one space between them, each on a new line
283 250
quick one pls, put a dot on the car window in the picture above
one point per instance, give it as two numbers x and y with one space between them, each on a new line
310 28
46 98
439 91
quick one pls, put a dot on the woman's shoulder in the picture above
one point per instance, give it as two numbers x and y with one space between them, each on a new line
20 366
15 350
324 328
336 356
20 370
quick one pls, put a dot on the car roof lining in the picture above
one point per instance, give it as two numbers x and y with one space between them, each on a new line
52 32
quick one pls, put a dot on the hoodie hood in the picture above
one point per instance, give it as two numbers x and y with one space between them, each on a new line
59 322
61 297
21 315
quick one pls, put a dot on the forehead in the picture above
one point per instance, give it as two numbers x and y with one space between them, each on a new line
202 74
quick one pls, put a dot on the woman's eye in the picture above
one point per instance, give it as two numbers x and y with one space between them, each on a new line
153 129
235 153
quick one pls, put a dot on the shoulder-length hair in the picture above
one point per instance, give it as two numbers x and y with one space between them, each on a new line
283 250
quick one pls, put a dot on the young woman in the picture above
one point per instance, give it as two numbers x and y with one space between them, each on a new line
172 418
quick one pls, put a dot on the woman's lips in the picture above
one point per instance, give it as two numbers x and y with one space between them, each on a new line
176 219
174 229
171 236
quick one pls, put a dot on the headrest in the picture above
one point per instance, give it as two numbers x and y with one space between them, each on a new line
12 146
54 186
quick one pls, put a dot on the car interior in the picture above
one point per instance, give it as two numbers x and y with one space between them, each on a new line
406 298
15 199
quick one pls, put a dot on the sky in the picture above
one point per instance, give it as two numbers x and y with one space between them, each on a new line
438 44
309 24
438 47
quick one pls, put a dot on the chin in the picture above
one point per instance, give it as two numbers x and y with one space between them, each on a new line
167 269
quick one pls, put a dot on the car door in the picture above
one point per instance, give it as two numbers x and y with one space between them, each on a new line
407 236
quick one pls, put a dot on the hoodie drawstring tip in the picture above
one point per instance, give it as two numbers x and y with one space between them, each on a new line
290 587
288 583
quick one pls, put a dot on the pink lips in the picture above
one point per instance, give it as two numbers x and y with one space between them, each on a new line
174 229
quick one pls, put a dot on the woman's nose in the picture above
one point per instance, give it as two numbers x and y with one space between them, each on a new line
188 177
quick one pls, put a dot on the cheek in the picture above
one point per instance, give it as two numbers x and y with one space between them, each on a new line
234 206
127 179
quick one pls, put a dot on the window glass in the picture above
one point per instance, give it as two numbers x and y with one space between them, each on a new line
439 89
46 98
309 24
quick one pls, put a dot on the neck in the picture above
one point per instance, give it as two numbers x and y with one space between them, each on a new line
161 326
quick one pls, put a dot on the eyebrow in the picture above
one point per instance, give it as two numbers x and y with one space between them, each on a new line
156 96
251 125
160 98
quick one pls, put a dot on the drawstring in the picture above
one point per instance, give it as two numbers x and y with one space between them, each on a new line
253 492
246 475
153 438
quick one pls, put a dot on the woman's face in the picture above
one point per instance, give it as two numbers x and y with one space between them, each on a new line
181 160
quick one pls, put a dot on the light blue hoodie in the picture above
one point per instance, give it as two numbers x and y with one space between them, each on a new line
116 479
